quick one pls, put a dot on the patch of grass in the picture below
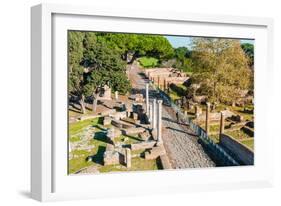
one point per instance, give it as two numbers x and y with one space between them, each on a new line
148 62
248 142
214 137
138 164
237 134
78 126
74 139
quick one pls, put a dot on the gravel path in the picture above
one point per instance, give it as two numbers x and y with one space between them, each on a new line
181 144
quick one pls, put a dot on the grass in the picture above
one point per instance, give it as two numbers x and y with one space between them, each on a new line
99 141
148 62
248 142
237 134
78 126
138 164
74 139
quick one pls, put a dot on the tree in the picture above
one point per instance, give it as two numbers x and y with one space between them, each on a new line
131 46
183 60
249 51
221 68
107 68
76 71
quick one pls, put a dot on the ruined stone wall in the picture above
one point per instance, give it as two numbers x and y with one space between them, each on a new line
242 153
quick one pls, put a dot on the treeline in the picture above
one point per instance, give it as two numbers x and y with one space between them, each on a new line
219 67
97 58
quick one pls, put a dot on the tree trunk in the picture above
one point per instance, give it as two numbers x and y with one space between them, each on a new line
82 104
95 102
133 58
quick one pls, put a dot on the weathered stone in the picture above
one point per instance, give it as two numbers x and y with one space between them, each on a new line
108 112
111 158
159 121
106 121
165 162
144 135
155 152
119 115
142 145
133 130
128 157
113 133
121 124
105 93
135 116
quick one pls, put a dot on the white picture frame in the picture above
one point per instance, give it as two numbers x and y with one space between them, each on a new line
49 179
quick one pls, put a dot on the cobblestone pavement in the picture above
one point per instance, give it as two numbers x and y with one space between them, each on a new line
181 144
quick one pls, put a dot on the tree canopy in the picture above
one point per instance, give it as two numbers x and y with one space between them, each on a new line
249 51
221 68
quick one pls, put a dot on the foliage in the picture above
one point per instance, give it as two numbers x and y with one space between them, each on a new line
131 46
249 51
221 68
148 62
183 59
75 52
94 62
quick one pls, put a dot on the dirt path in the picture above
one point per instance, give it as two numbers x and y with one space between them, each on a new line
181 144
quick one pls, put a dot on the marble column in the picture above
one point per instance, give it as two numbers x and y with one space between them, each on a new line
128 158
116 95
147 99
159 121
154 114
221 125
150 112
207 126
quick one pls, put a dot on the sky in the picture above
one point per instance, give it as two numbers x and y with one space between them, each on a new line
179 41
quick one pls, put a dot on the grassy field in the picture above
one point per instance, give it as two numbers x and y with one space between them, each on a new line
99 142
148 62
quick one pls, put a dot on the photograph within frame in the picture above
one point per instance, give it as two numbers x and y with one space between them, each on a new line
199 112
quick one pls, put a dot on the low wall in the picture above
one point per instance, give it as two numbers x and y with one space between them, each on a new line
143 145
240 152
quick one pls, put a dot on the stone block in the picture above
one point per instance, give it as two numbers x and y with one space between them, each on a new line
145 135
155 152
143 145
106 121
133 130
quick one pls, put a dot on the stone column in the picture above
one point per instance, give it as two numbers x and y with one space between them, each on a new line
207 126
159 121
116 95
154 114
150 112
147 99
196 111
128 157
221 125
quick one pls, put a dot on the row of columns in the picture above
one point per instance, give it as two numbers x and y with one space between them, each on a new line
154 113
165 85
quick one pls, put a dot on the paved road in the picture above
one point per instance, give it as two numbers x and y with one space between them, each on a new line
181 144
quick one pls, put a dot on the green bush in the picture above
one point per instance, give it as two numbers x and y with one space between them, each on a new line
148 62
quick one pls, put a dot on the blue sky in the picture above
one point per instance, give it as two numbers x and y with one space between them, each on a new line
179 41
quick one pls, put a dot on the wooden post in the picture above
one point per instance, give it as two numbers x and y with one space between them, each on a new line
207 127
221 125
